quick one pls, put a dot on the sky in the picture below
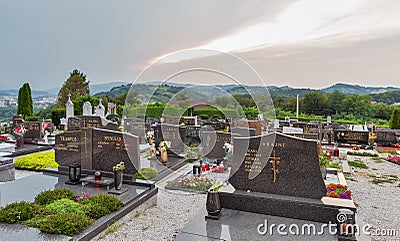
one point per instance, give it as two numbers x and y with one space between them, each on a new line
307 43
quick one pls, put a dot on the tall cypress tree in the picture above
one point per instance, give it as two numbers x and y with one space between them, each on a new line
394 122
25 104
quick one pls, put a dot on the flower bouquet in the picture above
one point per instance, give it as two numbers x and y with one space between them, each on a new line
164 146
149 135
228 148
119 167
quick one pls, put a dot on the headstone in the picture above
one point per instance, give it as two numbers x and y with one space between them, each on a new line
69 108
351 137
111 108
310 136
276 123
213 143
137 127
189 120
97 122
243 131
87 109
17 121
74 123
97 149
111 147
385 137
100 110
278 175
307 127
172 120
292 168
329 119
173 133
33 129
253 124
7 170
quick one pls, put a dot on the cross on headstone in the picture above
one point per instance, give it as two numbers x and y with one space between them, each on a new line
275 161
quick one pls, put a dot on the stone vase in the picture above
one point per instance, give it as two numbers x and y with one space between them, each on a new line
164 157
323 172
150 141
213 203
19 142
118 175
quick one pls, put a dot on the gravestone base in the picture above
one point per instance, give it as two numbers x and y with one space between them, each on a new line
73 183
7 170
281 206
213 217
117 192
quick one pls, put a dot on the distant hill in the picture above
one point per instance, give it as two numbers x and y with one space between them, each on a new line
357 89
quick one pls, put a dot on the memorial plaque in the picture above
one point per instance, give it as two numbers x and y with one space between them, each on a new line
112 147
351 137
33 129
285 166
74 123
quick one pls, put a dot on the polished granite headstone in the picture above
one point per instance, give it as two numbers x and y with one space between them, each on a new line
278 175
213 143
112 147
173 133
385 137
33 129
351 137
137 127
307 127
97 149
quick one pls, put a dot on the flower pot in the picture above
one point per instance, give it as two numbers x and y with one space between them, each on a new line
213 203
323 172
118 175
164 157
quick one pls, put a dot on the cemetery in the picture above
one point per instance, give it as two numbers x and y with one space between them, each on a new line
237 175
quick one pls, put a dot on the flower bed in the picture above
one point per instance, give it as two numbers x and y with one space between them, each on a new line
37 161
59 211
338 191
194 183
394 158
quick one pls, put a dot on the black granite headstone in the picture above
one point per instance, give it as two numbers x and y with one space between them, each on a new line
112 147
213 143
385 137
173 133
33 129
137 127
97 149
351 137
280 164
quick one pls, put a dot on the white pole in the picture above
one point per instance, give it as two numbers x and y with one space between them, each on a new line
297 107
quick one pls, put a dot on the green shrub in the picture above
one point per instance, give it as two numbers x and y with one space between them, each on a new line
37 161
393 152
49 196
33 118
102 204
19 211
64 223
147 173
65 205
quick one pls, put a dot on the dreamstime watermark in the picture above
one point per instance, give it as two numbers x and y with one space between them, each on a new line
311 229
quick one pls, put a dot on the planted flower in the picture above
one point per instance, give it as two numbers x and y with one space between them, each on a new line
339 191
394 158
193 183
119 167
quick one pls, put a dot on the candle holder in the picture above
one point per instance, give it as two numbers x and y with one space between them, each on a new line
74 174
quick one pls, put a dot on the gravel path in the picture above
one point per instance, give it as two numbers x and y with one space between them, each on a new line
379 203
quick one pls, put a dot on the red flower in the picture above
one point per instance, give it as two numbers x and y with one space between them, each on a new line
348 192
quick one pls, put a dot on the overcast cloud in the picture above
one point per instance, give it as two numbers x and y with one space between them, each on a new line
309 43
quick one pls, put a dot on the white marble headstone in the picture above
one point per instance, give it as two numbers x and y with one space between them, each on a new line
87 108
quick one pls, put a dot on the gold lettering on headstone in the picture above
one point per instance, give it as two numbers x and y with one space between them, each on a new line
275 161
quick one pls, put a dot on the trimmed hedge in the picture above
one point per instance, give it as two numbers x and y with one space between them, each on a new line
37 161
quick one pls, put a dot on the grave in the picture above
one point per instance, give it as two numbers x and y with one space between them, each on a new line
278 181
74 123
252 124
351 137
7 169
97 149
